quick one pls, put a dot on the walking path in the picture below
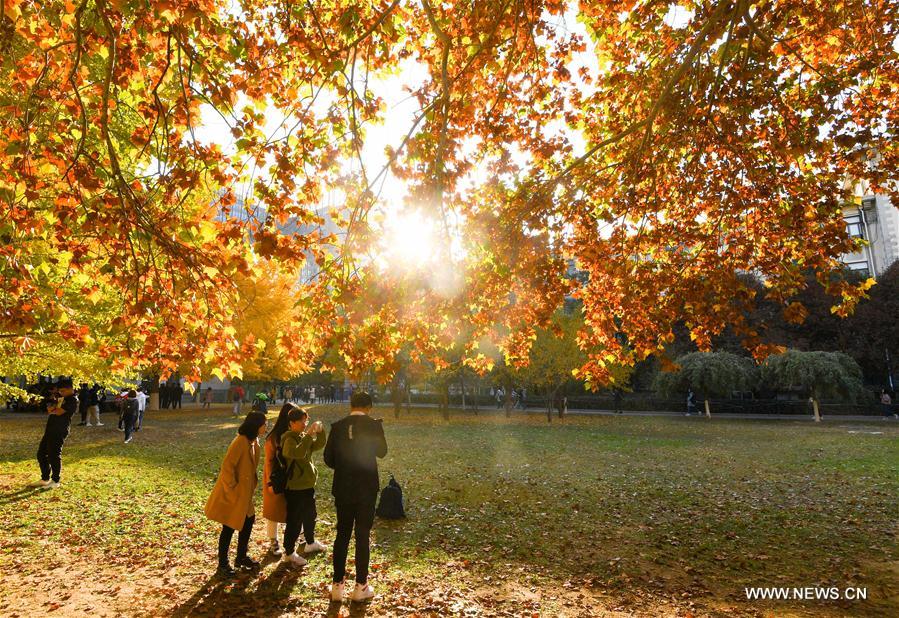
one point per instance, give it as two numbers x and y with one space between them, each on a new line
740 416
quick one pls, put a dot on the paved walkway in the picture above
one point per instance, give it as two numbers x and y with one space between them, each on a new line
764 417
542 412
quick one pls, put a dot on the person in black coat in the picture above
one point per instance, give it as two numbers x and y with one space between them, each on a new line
354 444
61 406
129 413
83 397
163 396
177 393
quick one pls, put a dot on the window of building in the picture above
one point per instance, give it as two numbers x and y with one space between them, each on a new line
860 268
854 226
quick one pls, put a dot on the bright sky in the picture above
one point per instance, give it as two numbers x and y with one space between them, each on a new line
402 109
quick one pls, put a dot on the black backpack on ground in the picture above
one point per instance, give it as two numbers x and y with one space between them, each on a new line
391 505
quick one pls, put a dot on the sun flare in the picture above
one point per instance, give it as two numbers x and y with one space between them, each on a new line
408 241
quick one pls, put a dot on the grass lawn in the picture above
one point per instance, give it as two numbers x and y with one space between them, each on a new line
593 516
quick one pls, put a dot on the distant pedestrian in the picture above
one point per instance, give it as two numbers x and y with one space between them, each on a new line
177 394
260 403
141 408
237 395
164 396
93 406
231 500
129 414
312 395
354 444
82 403
616 395
119 402
61 407
886 404
691 402
207 397
297 446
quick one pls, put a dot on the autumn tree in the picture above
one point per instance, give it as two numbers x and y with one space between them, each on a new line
660 154
820 374
268 305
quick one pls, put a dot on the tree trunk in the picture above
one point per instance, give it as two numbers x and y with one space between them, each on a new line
817 411
508 394
462 383
708 413
560 405
444 400
408 397
153 402
396 396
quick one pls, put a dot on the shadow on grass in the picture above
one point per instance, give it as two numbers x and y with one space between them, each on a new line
221 596
20 494
357 610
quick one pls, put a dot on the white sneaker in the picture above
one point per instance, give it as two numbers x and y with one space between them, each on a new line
53 484
99 424
89 425
275 548
128 440
314 547
40 483
337 591
294 559
363 592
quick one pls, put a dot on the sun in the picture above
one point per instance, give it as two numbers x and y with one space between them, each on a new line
408 241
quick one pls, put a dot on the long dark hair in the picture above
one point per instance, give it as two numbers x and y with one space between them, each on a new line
283 423
251 424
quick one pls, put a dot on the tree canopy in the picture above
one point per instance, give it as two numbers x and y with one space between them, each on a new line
661 152
819 374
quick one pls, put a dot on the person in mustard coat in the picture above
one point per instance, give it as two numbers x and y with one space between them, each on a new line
231 501
274 506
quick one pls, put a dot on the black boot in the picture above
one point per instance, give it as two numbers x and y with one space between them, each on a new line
225 570
246 562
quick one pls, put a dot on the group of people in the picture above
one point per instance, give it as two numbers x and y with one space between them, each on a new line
170 394
62 402
351 449
517 397
132 404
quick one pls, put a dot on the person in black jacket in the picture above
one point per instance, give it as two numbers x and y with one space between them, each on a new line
61 406
129 413
177 394
83 396
354 444
163 395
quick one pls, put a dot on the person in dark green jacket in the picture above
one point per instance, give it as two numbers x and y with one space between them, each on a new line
297 446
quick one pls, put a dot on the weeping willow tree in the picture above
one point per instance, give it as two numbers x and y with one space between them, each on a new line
820 374
714 374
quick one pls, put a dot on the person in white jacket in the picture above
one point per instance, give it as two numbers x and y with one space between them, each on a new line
141 406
